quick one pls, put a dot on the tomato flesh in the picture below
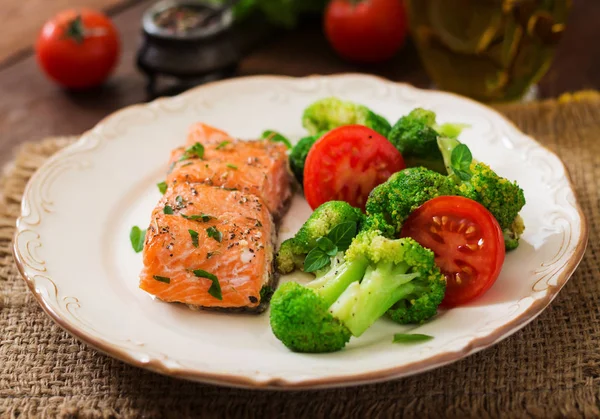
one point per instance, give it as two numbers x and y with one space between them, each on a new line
467 242
347 163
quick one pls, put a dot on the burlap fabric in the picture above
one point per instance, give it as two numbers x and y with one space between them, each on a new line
549 369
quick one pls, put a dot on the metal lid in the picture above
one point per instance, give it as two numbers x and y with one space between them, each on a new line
216 26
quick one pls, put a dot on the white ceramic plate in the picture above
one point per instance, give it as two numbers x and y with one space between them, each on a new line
72 244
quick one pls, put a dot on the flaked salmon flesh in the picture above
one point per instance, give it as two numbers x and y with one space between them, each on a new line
216 219
238 250
256 167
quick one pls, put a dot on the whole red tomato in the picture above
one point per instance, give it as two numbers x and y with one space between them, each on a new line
366 30
78 48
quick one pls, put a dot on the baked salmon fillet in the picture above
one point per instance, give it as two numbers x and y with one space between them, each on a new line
255 167
209 247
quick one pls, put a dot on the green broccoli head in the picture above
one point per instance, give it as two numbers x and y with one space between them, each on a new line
420 306
300 319
400 272
513 233
404 192
329 113
503 198
293 251
415 137
376 274
299 153
379 222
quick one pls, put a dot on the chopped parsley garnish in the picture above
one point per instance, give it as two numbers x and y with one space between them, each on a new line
211 254
410 338
167 209
194 235
197 150
232 166
164 279
276 137
215 288
162 187
197 217
137 237
180 203
222 145
214 233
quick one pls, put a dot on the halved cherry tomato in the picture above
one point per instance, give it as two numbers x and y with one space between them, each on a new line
347 163
467 242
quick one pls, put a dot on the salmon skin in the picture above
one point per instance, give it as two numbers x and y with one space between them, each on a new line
210 243
255 167
225 234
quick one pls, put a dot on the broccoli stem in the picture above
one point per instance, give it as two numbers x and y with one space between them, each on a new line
447 145
331 285
361 304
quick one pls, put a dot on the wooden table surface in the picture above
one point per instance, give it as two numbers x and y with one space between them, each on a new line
32 107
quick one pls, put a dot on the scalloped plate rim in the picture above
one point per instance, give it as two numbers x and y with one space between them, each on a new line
241 381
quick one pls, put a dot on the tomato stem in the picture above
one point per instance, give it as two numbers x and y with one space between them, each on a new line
75 30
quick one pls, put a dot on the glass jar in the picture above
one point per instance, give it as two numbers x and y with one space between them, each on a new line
490 50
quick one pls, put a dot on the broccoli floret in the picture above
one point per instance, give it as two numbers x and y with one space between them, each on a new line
299 153
399 272
329 113
513 233
293 251
503 198
404 192
415 136
376 274
300 319
379 222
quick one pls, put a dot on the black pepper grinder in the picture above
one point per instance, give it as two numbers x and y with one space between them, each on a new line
188 41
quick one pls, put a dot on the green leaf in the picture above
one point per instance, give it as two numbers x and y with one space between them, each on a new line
232 166
327 246
276 137
179 200
222 145
214 233
315 260
194 236
197 150
167 209
342 234
162 187
410 338
215 288
460 161
137 237
196 217
164 279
